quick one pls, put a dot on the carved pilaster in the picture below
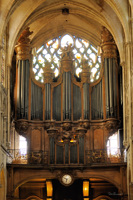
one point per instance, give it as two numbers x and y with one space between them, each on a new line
108 44
23 46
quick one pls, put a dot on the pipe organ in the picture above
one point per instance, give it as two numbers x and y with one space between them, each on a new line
70 115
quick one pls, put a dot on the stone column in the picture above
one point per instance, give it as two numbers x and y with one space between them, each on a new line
128 113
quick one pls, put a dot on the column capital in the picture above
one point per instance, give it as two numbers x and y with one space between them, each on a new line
23 45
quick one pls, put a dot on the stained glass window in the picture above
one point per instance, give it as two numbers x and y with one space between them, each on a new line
52 51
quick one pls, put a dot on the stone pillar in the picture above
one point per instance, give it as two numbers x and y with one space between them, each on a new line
128 113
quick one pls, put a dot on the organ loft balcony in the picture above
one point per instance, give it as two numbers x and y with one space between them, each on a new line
66 145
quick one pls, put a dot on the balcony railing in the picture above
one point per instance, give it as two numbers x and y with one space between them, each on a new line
92 157
106 156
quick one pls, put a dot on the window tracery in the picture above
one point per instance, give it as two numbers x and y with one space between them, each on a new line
52 52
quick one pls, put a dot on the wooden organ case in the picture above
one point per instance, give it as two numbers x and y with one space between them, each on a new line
67 118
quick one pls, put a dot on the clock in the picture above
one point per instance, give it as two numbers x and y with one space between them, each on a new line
66 179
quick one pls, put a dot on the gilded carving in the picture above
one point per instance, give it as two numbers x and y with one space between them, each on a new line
52 130
85 74
66 137
23 46
108 44
48 73
96 156
81 128
67 53
35 158
106 35
67 125
112 125
86 124
67 59
21 126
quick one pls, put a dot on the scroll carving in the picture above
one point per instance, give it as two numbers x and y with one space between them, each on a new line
21 126
112 125
67 125
35 158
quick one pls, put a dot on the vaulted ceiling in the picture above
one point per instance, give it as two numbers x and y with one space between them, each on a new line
46 20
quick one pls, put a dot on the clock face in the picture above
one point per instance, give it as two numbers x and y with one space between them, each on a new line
66 179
